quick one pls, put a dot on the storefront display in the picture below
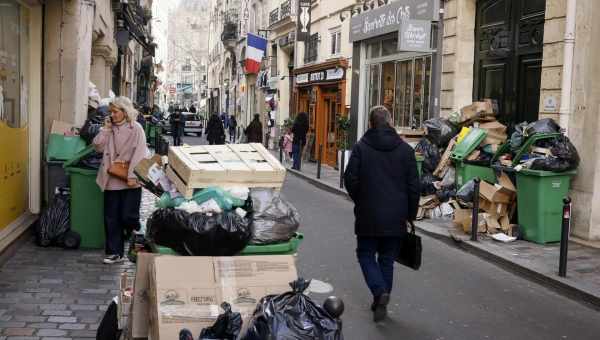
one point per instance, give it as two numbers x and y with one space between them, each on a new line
14 151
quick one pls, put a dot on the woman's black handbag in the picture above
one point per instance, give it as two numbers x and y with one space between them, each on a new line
410 249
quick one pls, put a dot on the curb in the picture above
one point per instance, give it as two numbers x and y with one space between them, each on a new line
556 284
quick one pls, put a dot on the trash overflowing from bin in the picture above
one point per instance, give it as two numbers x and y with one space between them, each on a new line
474 143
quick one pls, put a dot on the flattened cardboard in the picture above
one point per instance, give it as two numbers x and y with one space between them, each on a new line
62 128
442 167
141 297
186 291
126 284
496 193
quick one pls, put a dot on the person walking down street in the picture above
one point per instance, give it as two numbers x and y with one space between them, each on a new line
299 129
215 133
254 131
382 180
232 129
177 125
123 143
288 141
193 109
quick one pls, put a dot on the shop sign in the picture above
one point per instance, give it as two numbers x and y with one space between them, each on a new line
331 74
304 19
388 18
415 36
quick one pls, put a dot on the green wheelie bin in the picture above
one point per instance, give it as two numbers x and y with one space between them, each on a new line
540 203
465 171
87 203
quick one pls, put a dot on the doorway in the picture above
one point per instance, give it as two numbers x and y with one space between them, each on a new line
508 56
326 124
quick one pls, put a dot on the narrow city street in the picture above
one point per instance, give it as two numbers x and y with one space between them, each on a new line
454 296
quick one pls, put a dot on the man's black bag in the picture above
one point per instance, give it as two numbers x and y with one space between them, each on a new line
410 249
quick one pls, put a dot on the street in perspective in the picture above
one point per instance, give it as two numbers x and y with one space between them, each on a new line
299 169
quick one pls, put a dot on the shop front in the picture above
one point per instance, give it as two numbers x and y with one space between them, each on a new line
20 117
397 63
320 91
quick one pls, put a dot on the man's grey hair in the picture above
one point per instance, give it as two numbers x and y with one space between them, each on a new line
380 117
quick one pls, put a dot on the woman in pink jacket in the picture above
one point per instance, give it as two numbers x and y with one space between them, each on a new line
122 141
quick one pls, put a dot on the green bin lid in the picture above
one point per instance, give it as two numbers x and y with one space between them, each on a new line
78 156
471 141
542 173
81 171
62 148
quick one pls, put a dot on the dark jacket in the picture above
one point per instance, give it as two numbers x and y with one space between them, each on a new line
254 132
232 123
382 180
177 121
299 129
215 133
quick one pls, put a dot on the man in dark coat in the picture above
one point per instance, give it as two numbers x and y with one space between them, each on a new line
254 131
232 129
382 180
299 129
177 121
215 134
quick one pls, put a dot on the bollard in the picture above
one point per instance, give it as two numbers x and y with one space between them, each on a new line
342 168
319 156
475 215
281 149
564 238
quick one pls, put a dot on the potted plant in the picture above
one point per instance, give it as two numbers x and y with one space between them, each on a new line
343 126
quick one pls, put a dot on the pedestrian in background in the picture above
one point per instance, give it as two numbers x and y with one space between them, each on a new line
232 129
288 140
122 142
254 130
215 133
177 122
299 129
382 180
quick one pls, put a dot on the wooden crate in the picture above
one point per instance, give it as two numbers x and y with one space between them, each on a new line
201 166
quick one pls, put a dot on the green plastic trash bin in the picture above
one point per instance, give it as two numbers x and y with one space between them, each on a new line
63 148
466 172
420 160
540 202
87 203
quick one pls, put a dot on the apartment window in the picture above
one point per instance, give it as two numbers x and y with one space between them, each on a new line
336 41
312 49
274 70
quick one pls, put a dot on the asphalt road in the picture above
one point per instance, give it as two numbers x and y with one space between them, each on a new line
455 295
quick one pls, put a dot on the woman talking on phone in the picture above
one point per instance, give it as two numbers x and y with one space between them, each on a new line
123 144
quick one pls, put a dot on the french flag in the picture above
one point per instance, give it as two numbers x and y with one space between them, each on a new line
257 46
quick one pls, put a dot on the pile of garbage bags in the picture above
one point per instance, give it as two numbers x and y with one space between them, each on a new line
53 228
292 315
222 222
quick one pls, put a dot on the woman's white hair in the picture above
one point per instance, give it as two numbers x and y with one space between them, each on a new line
126 106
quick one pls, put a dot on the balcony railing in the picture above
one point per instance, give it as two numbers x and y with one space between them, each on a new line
274 16
286 9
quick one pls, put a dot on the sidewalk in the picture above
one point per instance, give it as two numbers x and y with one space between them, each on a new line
536 262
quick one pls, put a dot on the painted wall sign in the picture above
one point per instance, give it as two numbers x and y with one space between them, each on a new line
388 18
331 74
304 14
415 36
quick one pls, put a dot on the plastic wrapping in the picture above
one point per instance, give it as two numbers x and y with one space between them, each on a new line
274 220
227 327
199 234
564 156
431 155
465 193
427 186
55 221
517 138
546 125
91 161
92 127
440 131
292 315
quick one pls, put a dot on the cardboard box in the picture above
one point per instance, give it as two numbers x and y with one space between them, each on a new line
487 107
141 297
62 128
496 193
493 208
186 292
463 218
126 284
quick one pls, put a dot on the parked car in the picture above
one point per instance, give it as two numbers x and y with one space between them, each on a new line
193 123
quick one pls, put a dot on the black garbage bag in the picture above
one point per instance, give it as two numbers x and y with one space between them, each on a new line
446 194
292 316
431 155
274 220
55 220
199 234
440 131
517 138
465 193
91 161
227 327
92 126
564 156
109 326
427 187
546 125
